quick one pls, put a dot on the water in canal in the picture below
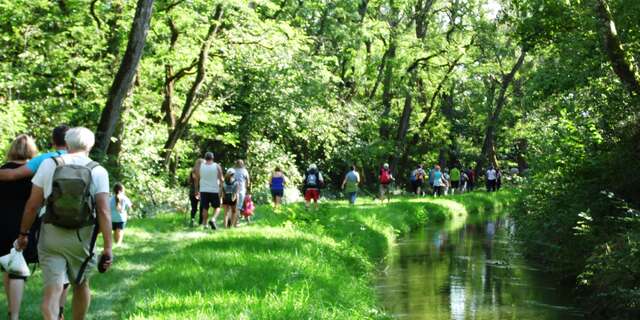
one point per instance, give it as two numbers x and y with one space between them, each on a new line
469 271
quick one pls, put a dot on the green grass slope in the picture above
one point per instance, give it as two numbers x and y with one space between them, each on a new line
291 264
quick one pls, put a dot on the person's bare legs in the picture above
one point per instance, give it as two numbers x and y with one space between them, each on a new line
315 203
63 298
16 290
227 216
118 234
81 300
205 216
7 292
234 216
216 213
51 301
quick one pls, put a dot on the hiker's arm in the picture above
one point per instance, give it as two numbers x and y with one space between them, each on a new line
196 182
344 182
104 220
220 175
15 174
29 216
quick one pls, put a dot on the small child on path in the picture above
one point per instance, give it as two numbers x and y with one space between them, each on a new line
120 206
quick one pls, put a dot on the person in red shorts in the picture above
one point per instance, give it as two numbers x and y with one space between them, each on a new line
312 183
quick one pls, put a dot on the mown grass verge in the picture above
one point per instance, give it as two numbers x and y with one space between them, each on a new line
291 264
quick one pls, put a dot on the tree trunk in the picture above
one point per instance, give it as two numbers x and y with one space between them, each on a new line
488 152
124 78
167 102
522 146
362 9
387 93
171 78
622 62
423 7
190 104
403 127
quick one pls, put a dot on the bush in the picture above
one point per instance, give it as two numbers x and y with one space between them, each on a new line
581 221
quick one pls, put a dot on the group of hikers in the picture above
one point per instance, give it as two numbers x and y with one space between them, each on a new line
443 182
434 181
57 203
54 206
209 188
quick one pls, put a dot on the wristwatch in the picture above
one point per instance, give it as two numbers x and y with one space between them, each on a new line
25 234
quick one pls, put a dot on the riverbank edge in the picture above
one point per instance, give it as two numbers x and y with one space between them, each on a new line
355 243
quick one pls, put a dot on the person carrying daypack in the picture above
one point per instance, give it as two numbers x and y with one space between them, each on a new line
313 181
385 180
417 179
229 199
76 193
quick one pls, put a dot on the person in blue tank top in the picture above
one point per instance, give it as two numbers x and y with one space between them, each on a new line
276 184
438 181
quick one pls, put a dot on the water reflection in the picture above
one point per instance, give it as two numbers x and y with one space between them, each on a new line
474 272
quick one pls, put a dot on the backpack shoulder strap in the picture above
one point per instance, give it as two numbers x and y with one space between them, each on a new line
92 165
59 161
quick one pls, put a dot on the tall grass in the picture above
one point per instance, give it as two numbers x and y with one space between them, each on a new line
289 264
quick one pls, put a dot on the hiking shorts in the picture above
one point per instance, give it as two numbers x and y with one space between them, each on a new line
455 184
118 225
384 188
312 194
209 199
277 193
62 253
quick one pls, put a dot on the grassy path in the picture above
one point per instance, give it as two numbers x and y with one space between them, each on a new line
290 264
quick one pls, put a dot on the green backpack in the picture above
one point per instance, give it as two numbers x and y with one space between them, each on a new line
70 204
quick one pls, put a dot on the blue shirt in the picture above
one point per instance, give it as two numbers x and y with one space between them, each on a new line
119 216
35 163
437 178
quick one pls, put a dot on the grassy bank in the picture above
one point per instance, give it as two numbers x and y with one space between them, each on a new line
291 264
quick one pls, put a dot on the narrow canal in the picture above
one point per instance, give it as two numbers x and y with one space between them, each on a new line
468 271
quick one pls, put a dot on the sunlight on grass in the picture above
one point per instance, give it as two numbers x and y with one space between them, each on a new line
288 264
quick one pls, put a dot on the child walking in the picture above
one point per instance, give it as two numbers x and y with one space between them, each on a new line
120 206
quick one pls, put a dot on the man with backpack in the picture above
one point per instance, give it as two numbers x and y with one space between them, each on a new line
75 190
417 179
312 183
385 181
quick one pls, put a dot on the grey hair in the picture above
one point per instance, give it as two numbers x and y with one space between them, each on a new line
79 139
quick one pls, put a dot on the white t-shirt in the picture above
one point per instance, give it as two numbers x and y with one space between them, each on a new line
241 175
44 176
492 174
209 181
